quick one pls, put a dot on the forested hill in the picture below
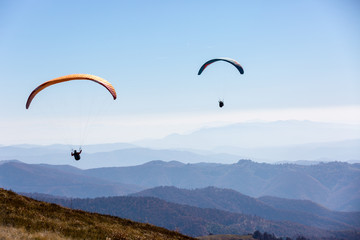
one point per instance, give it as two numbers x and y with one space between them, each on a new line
25 218
334 185
271 208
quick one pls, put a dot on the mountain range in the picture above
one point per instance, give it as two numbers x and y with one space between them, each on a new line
59 180
95 156
272 208
333 185
262 142
258 135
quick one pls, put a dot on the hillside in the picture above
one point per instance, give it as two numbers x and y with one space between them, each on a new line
310 208
333 185
25 218
271 208
61 180
193 221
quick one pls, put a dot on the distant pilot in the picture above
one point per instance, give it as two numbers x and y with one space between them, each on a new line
76 154
221 103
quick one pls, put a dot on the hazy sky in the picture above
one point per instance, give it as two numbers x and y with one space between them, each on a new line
301 61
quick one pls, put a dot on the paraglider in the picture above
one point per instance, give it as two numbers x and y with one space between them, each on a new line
76 154
71 77
96 79
221 103
229 60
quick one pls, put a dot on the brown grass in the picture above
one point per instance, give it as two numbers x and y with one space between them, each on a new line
12 233
24 218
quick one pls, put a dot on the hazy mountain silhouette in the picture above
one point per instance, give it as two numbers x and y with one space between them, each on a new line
334 185
60 154
57 180
262 141
272 208
258 135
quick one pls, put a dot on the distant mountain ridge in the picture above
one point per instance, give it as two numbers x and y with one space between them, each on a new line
259 135
117 155
109 156
300 211
58 180
259 141
334 185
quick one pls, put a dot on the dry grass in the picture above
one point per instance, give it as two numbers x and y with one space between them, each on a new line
11 233
31 219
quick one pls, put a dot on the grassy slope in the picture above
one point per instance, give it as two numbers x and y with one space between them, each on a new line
22 217
12 233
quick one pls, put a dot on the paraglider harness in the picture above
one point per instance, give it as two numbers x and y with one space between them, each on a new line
76 154
221 103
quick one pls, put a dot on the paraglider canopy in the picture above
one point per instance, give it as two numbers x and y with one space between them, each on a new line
71 77
229 60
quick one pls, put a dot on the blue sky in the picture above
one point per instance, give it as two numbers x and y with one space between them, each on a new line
301 61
